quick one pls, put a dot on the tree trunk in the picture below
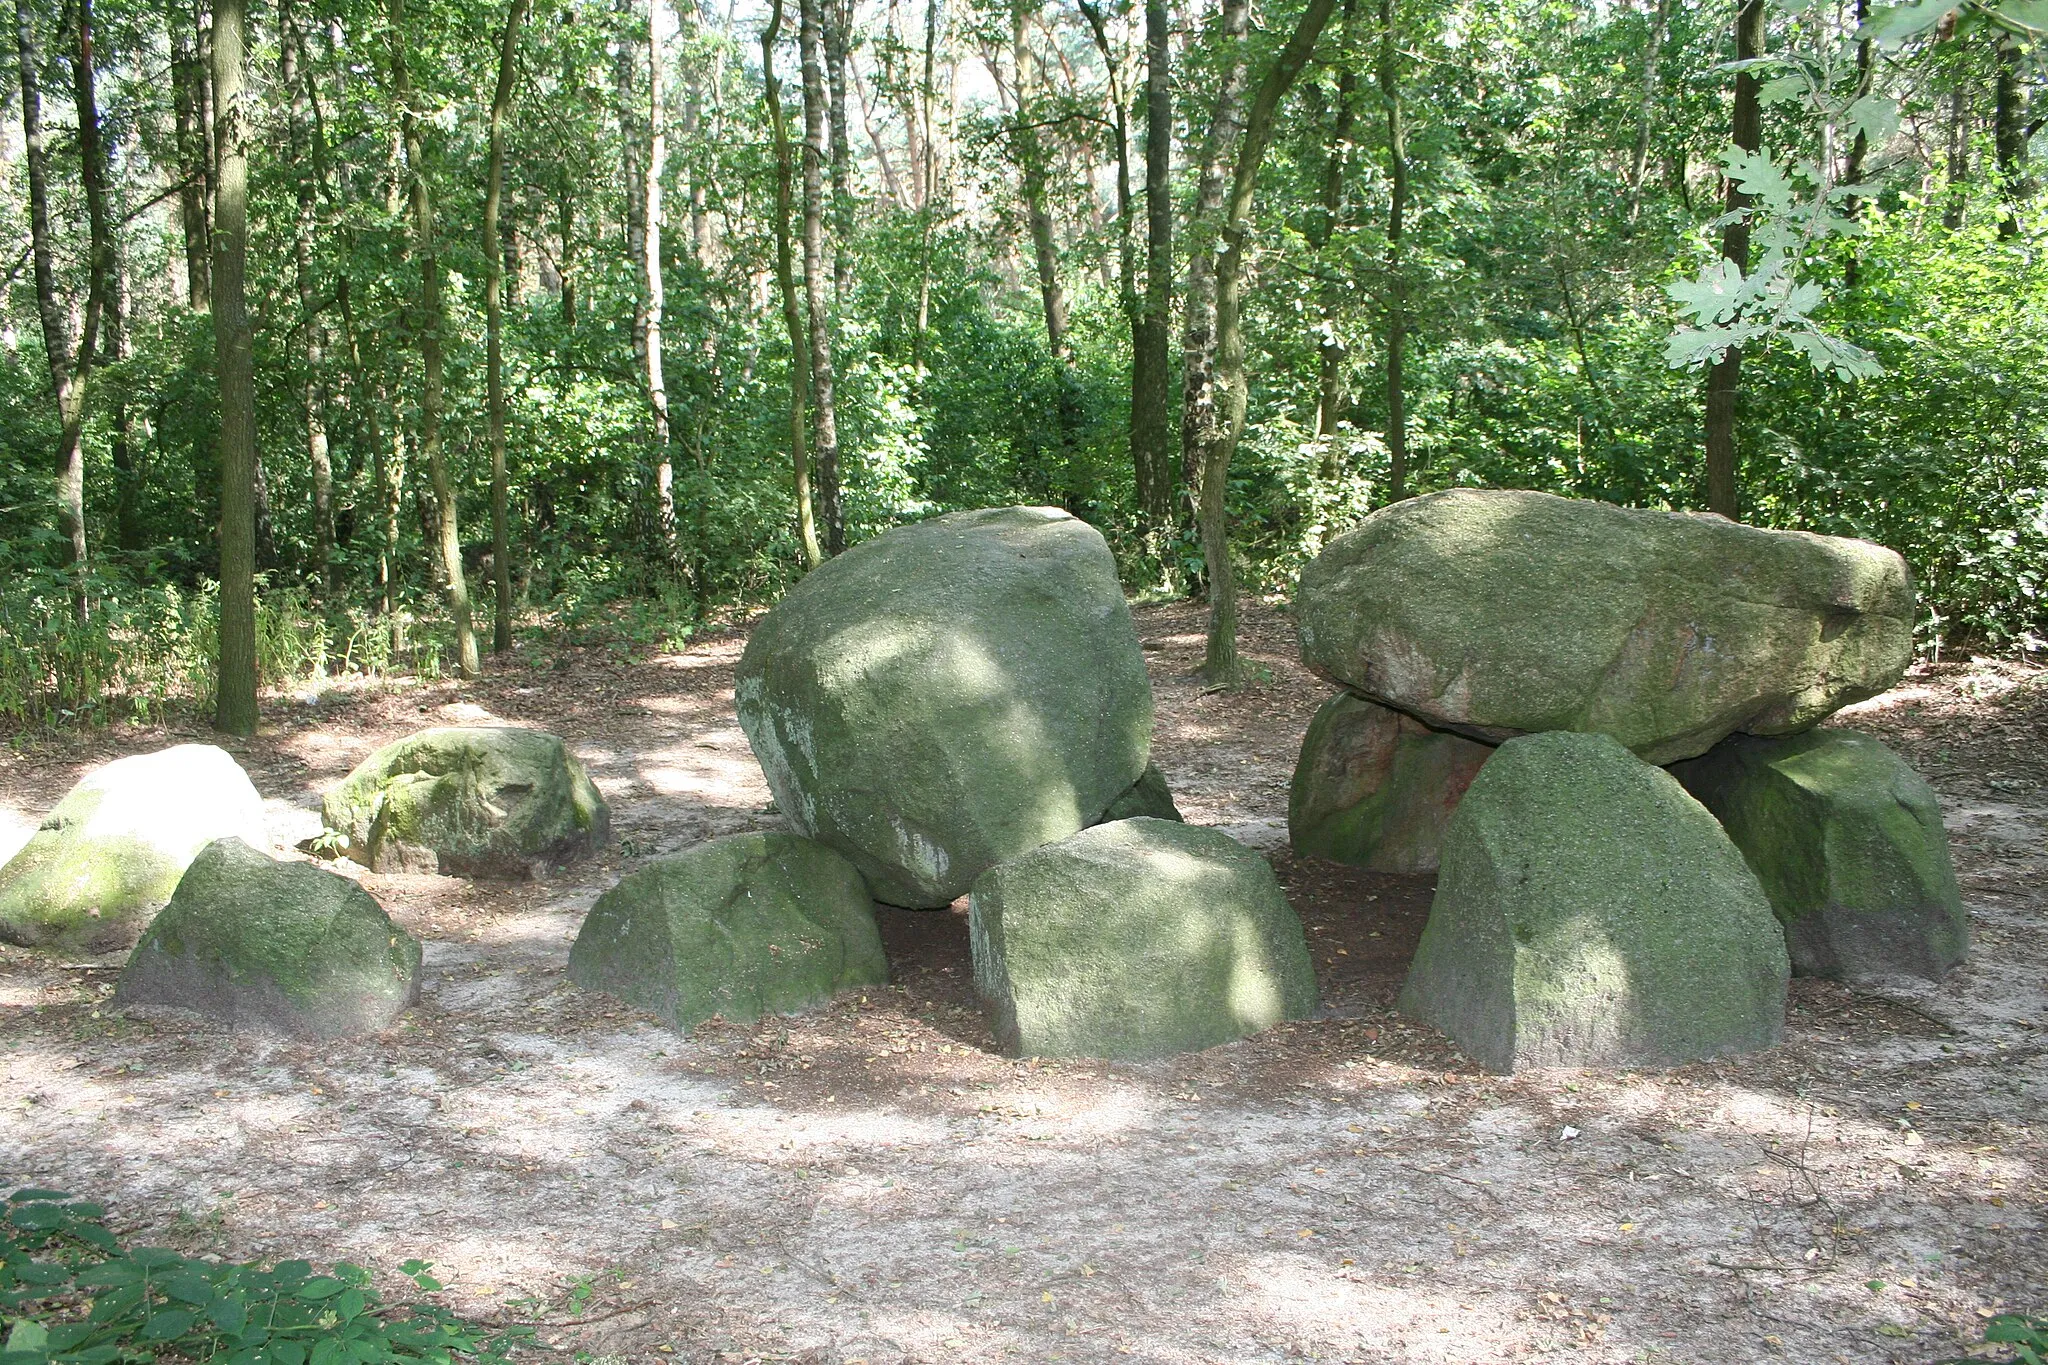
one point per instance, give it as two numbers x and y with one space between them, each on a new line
2009 134
785 281
312 388
128 471
1724 379
194 178
1396 327
837 19
1220 662
1653 74
234 351
927 193
1336 165
1030 156
824 412
432 319
494 329
1151 363
1201 419
652 293
1859 147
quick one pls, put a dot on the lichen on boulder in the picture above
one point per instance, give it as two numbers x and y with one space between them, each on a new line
109 855
1138 938
1848 842
485 801
741 926
1376 788
1499 613
1590 913
273 946
948 695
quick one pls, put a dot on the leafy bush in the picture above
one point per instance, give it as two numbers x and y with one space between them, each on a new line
74 1296
2028 1336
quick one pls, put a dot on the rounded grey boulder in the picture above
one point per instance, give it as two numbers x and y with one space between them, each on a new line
949 695
271 946
1590 913
1376 787
1500 613
1138 938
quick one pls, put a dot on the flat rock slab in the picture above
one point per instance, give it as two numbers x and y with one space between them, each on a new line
1501 613
746 925
274 947
1590 913
1849 844
948 695
481 801
1375 787
1138 938
110 854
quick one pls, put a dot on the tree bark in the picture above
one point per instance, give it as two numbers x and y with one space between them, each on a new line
928 190
494 329
1220 662
785 281
837 20
2009 134
235 359
1330 206
194 175
652 293
1201 418
824 411
1151 363
1030 154
1396 325
1725 378
1646 115
312 387
432 319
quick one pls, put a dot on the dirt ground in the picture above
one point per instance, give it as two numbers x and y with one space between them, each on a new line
871 1183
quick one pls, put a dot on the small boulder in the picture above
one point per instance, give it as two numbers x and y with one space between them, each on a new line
1139 938
1501 613
271 946
948 695
111 852
1149 795
1375 787
746 925
1849 845
486 801
1590 913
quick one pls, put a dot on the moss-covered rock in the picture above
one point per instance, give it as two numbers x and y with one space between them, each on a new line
111 852
1502 613
746 925
1149 795
469 802
948 695
1849 845
271 946
1590 913
1138 938
1375 787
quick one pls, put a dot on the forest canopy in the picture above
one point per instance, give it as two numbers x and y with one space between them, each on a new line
429 321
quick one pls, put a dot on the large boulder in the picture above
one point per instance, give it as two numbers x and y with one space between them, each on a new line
276 947
1138 938
1590 913
468 802
1849 845
111 852
746 925
1504 613
1375 787
948 695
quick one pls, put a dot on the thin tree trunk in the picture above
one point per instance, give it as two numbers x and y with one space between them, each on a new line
785 282
494 330
837 18
1725 378
432 320
652 292
312 389
2009 134
235 358
1653 75
1031 169
1201 418
128 472
928 190
1958 169
1859 147
1220 662
1336 165
824 412
194 177
1396 327
1151 361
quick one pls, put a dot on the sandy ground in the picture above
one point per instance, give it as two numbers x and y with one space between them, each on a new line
871 1183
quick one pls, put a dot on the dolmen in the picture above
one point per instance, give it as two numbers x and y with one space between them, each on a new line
1516 668
961 707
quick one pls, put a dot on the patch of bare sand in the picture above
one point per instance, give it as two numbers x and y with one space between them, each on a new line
871 1183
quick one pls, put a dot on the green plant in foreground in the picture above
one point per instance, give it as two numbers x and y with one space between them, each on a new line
72 1295
2028 1336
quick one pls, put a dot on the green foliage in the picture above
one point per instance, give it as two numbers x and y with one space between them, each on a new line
2027 1336
73 1295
